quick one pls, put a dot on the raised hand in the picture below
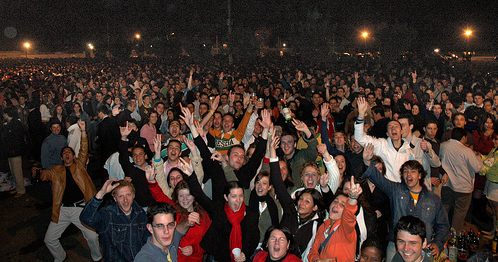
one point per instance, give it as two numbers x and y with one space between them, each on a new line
362 106
108 186
213 104
187 116
355 189
324 180
199 129
217 156
274 143
190 144
265 119
185 166
302 127
125 130
368 152
157 144
321 148
150 173
324 111
356 75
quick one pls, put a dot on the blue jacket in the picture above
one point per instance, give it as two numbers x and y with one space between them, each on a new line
120 237
428 209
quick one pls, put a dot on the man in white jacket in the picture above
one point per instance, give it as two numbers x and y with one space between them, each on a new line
394 150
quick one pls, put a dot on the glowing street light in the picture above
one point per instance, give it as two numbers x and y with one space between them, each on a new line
27 47
437 50
284 45
365 35
138 36
468 32
91 46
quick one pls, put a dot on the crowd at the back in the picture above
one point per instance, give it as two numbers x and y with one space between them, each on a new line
253 163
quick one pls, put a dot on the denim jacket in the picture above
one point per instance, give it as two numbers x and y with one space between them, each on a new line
429 208
120 237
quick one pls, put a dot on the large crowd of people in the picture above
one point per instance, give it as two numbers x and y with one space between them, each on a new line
263 162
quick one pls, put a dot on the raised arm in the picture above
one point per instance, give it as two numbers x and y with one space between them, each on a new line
248 171
359 133
83 153
332 169
324 112
386 186
90 215
123 149
277 182
212 108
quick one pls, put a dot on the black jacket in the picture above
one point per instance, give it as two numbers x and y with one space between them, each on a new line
216 240
142 193
13 139
108 137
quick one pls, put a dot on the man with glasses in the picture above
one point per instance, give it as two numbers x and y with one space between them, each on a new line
120 225
165 237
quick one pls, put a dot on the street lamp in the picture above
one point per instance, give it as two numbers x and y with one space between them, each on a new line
467 33
284 45
138 36
437 50
27 46
91 46
364 35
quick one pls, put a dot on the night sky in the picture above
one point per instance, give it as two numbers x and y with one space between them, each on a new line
68 25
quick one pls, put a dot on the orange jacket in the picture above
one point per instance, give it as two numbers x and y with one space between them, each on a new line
342 244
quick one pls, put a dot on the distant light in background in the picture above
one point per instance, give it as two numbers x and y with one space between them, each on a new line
284 45
225 45
468 32
436 50
90 46
27 46
138 36
365 35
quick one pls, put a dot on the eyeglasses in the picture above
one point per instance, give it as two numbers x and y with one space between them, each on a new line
170 226
310 174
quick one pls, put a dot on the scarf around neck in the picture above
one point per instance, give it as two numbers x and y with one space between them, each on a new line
235 218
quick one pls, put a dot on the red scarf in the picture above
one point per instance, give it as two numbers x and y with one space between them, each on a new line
235 218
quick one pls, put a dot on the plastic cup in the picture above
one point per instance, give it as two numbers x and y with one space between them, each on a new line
236 252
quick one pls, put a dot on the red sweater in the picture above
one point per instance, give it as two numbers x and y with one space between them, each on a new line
193 238
194 235
158 194
262 255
